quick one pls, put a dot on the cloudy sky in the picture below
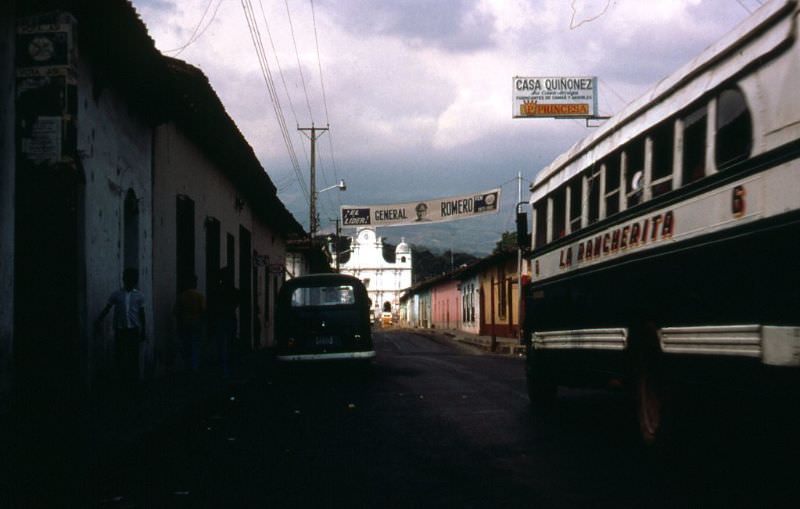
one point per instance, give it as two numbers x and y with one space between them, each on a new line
418 92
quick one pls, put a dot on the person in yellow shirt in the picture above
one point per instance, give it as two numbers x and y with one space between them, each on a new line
190 310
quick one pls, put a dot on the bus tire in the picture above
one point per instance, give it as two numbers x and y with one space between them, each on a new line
542 393
542 390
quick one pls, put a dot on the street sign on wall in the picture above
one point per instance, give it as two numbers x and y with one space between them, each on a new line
559 97
422 212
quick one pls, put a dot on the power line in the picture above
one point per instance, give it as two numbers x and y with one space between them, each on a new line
277 105
195 35
255 35
744 6
280 73
572 25
299 66
319 60
324 98
608 85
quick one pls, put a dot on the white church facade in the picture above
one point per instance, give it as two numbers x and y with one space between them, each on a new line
385 281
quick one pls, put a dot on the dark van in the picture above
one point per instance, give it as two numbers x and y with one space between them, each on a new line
323 317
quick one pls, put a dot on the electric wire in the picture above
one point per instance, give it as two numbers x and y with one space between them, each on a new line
280 73
255 35
743 6
195 35
573 26
299 66
617 94
277 105
324 97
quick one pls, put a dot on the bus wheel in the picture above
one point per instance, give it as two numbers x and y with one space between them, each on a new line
542 391
650 406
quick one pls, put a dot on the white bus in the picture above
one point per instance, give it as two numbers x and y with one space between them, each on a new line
667 242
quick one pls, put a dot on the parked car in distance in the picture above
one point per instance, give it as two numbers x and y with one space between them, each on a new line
386 319
323 317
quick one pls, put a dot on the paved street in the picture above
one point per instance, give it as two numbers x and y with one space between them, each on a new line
430 424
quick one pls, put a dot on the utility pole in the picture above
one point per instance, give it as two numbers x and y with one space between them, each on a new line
336 244
520 305
312 212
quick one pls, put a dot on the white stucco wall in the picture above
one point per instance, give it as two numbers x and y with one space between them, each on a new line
183 169
115 150
7 170
385 281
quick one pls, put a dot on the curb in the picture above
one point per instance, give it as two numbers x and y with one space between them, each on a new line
504 346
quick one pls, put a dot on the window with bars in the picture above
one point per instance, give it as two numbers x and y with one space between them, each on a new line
734 137
663 140
634 172
611 164
575 202
694 145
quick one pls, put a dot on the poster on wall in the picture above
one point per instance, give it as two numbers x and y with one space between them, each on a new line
421 212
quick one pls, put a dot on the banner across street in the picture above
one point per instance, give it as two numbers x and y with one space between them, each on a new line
436 210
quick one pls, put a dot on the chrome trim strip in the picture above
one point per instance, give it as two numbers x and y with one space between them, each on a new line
589 339
328 356
773 345
735 340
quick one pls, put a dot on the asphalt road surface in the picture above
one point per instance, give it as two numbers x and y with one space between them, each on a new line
434 424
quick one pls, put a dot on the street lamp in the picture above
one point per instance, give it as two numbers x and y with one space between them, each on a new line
341 185
313 219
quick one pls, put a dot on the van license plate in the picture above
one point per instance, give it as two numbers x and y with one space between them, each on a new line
325 340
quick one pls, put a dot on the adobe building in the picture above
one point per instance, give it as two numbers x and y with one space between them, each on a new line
113 156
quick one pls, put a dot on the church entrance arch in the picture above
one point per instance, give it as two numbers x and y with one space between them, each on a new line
387 307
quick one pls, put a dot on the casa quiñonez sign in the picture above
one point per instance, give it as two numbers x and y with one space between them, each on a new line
574 97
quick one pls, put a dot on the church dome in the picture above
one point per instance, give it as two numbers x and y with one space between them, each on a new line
402 247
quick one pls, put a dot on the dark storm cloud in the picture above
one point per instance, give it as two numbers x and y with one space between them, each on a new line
456 26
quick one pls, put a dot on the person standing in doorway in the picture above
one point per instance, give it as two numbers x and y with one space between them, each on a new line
129 327
223 314
190 307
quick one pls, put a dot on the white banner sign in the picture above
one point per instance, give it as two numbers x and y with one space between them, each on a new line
422 212
554 97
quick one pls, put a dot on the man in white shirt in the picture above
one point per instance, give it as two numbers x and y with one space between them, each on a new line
129 326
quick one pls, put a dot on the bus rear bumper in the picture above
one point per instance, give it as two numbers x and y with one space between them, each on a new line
772 345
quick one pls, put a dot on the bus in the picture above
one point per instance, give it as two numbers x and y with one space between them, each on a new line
665 246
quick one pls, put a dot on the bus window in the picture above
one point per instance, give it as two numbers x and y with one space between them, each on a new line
575 205
634 172
541 223
559 212
663 138
612 184
694 145
734 139
594 195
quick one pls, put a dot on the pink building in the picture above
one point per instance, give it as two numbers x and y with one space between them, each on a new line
445 305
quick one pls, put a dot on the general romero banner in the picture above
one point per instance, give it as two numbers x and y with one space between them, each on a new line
422 212
554 97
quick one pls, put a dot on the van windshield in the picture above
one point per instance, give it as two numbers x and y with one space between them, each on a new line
323 296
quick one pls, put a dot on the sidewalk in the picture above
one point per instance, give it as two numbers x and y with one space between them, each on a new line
166 401
62 454
503 346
